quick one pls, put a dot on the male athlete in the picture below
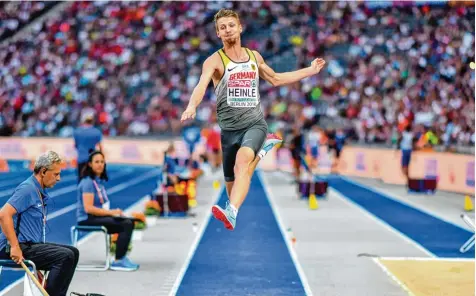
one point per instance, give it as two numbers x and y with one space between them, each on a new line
235 72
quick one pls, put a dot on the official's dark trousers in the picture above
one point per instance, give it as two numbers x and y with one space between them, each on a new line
59 260
121 225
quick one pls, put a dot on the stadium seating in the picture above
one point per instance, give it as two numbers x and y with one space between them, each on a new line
135 64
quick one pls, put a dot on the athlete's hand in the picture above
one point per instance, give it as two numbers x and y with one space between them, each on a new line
189 113
317 65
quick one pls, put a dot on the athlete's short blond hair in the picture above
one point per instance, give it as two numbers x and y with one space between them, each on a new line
225 13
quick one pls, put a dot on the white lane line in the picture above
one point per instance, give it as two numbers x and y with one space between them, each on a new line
402 201
277 215
393 277
380 221
194 246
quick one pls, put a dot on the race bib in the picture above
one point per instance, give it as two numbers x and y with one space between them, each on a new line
242 90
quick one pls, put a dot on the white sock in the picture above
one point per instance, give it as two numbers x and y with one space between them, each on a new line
235 210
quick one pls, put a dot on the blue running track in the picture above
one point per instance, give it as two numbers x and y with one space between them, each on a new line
439 237
251 260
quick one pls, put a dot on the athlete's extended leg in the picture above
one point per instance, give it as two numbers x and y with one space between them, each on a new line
244 167
246 161
229 187
238 189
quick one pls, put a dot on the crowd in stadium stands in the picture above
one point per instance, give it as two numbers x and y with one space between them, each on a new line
135 64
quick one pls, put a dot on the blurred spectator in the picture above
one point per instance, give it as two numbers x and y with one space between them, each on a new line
87 139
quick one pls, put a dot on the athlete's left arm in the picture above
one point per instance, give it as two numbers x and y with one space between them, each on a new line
277 79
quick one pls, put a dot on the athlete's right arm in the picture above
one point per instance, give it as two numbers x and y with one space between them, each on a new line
208 69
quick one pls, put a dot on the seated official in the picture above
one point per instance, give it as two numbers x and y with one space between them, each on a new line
94 209
190 169
23 221
180 169
170 165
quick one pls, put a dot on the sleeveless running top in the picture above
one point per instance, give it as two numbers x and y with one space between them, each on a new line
238 99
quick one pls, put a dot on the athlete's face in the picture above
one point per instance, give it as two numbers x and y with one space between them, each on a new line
228 29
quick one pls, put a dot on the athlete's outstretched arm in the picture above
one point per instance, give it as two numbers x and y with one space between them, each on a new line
208 69
277 79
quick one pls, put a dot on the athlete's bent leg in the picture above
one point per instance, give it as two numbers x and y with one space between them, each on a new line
270 142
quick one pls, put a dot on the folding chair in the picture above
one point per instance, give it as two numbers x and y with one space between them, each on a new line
11 265
74 239
470 242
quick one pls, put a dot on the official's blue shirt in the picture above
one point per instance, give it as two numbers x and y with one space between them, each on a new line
195 165
87 186
86 138
340 141
171 165
29 206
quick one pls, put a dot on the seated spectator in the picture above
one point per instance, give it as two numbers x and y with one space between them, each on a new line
94 209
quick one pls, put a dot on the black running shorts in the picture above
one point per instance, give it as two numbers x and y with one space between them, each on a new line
252 137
